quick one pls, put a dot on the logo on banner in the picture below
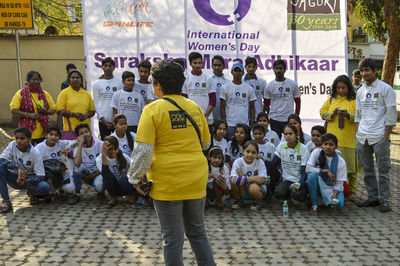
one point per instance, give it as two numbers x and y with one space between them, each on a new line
206 11
117 14
313 15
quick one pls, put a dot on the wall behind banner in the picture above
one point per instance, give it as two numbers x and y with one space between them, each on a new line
311 38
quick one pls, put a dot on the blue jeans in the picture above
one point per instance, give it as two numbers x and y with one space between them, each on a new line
116 187
41 188
80 172
179 217
314 190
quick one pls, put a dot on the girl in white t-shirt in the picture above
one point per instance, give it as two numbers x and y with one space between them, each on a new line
292 156
114 166
249 177
327 172
235 146
125 138
295 121
218 178
270 135
218 136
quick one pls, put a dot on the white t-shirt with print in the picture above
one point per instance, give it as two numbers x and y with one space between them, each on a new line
123 144
196 88
231 155
282 96
256 168
129 103
292 160
238 98
31 160
48 152
267 150
114 166
103 91
151 95
142 89
225 174
272 137
89 155
259 85
372 101
216 83
223 144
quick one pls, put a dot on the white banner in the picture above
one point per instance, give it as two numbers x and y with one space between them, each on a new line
309 34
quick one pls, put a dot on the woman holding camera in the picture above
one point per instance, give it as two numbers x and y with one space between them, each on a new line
169 146
339 111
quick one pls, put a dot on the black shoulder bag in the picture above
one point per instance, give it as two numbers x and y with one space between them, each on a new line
188 117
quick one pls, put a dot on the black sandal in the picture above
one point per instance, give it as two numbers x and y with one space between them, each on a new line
111 203
7 206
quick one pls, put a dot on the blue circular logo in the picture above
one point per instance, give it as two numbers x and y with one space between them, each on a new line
219 85
114 167
261 153
249 173
129 99
197 84
125 146
368 95
108 88
91 156
20 160
280 89
142 92
240 154
53 155
206 11
291 157
237 94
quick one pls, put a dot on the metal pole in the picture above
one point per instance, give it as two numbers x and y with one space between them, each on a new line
18 60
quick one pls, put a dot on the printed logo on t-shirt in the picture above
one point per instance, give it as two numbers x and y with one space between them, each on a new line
125 146
243 95
20 160
219 85
28 163
291 157
91 157
287 90
262 153
368 97
280 89
203 85
178 119
272 140
107 88
197 84
240 154
136 100
53 155
298 157
129 99
269 155
376 95
114 89
142 92
249 173
237 94
256 172
114 167
258 88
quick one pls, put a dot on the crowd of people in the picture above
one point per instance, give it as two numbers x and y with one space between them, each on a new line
166 133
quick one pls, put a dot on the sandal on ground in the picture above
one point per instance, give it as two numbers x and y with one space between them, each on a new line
33 200
111 203
314 210
6 207
224 208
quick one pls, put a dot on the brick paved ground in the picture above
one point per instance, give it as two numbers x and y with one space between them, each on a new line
88 234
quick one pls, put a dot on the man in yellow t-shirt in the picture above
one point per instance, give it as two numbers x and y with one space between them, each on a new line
169 147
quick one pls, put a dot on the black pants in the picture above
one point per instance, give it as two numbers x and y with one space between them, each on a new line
104 130
282 191
116 187
278 127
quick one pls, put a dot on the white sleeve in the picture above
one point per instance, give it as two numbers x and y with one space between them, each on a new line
8 152
222 94
358 115
114 101
211 89
278 151
296 90
305 156
38 166
96 99
184 87
99 162
252 96
235 166
341 175
312 166
262 170
267 91
227 176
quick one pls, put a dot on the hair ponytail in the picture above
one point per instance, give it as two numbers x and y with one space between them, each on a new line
321 159
130 139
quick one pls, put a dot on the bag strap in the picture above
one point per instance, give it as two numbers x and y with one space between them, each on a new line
60 115
188 117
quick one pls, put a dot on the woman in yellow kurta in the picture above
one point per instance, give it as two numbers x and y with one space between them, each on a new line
33 105
339 111
75 102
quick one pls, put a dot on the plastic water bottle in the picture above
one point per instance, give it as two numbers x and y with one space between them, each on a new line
268 179
334 202
295 185
285 209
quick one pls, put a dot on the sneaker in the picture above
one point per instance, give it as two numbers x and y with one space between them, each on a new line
236 204
368 203
384 207
139 203
74 199
255 206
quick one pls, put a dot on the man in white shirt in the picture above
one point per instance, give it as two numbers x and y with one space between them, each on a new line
196 89
237 98
216 82
375 117
279 98
257 83
143 85
103 91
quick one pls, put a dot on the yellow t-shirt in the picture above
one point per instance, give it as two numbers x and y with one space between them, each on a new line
345 135
77 102
16 104
179 169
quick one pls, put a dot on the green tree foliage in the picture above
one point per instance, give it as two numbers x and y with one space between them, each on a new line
64 15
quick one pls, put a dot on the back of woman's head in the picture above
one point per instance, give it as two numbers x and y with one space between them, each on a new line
351 94
169 75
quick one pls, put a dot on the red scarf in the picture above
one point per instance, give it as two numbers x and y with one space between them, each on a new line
27 106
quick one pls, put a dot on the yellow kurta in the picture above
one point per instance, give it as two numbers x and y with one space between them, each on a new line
344 135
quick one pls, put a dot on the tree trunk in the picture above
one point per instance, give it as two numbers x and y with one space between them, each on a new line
393 44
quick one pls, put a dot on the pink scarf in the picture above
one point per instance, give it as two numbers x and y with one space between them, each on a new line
27 106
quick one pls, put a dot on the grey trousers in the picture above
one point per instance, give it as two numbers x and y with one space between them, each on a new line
365 154
179 217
